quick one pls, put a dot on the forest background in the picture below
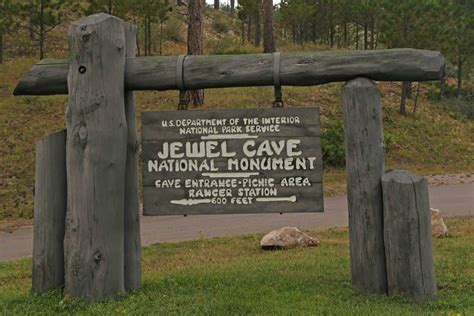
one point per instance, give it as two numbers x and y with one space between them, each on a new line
428 127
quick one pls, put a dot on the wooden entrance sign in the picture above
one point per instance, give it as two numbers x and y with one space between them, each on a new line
232 161
256 160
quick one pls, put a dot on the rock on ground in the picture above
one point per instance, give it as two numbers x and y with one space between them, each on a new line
287 237
438 227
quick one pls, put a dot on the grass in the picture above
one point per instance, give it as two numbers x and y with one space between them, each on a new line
428 142
223 276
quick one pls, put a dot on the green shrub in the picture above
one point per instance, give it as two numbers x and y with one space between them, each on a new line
458 107
219 25
332 143
333 146
172 30
229 46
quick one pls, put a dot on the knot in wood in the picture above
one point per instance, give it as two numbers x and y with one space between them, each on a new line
304 61
225 74
97 256
83 133
85 33
82 69
118 41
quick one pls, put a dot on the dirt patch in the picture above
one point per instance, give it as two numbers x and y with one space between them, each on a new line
450 179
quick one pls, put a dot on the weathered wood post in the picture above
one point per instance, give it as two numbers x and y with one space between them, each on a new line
132 243
361 108
96 154
407 233
49 213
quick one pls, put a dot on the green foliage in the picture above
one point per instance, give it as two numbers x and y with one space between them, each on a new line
332 143
118 8
228 46
296 15
172 30
457 106
7 11
40 17
219 25
408 23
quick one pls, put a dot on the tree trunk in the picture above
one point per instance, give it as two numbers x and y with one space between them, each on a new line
346 44
403 100
161 38
331 25
357 36
268 32
442 87
195 45
293 33
409 89
216 4
149 37
32 25
232 6
416 97
1 48
257 27
372 34
110 7
459 75
41 32
249 29
366 35
145 37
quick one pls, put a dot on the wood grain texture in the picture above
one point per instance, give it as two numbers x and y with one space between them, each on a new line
49 213
132 243
220 71
361 108
407 234
96 159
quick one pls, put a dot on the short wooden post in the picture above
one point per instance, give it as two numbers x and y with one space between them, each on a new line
132 243
96 157
407 233
362 117
49 213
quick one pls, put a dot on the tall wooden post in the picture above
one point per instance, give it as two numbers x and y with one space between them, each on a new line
361 110
96 153
132 243
407 232
50 213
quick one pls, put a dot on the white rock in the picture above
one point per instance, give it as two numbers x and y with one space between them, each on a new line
287 237
438 227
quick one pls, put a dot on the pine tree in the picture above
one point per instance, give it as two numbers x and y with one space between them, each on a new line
195 45
44 16
458 21
268 30
406 24
7 10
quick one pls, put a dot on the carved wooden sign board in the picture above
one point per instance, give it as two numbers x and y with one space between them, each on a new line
232 161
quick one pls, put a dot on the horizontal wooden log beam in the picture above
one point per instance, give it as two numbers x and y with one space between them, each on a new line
222 71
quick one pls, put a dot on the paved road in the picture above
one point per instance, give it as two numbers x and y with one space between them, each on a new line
452 200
